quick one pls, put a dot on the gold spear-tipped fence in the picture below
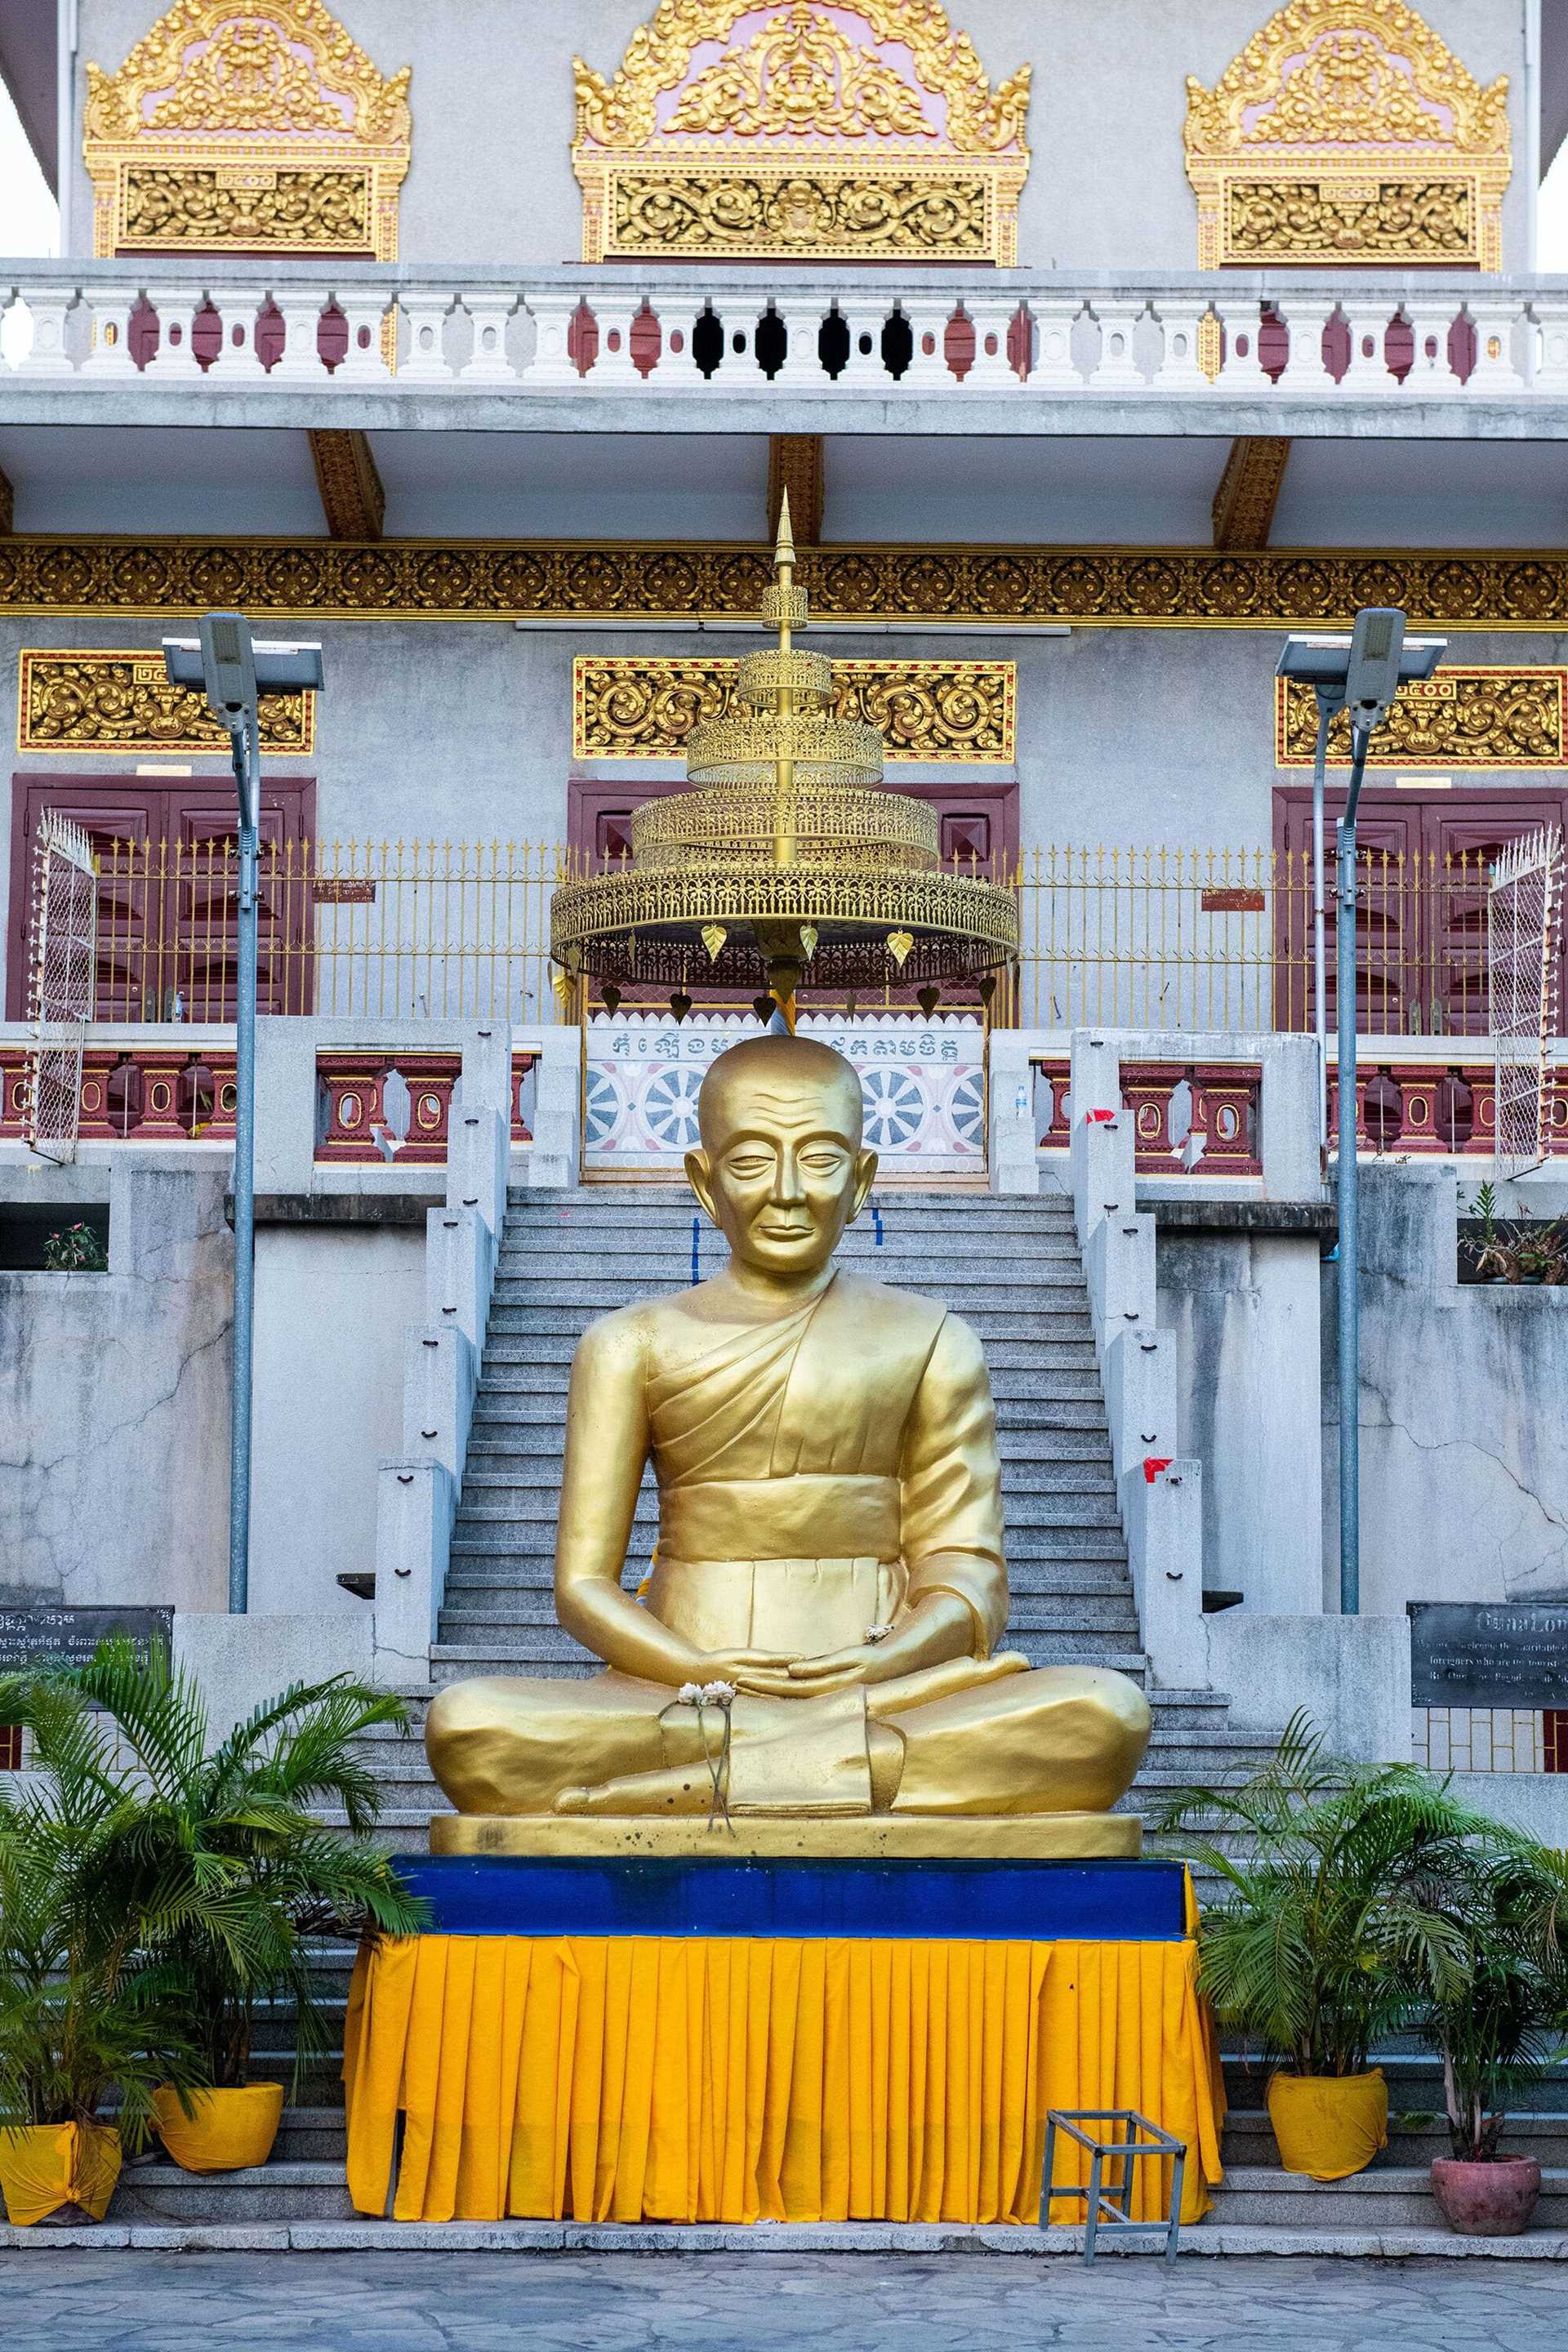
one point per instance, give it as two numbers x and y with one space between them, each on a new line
1147 936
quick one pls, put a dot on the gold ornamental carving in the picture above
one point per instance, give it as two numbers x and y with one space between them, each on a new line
1017 587
1467 717
1347 132
262 129
625 707
119 701
818 133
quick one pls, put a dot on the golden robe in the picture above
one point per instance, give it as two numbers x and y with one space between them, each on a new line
819 1474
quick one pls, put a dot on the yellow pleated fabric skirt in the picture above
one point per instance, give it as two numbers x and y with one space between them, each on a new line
742 2079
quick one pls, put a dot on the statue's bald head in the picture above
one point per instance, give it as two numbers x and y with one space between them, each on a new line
748 1085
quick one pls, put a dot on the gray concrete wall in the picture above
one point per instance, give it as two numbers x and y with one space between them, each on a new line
1243 1308
114 1401
491 181
1464 1447
332 1306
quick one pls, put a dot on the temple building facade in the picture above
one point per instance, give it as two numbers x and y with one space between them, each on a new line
1096 351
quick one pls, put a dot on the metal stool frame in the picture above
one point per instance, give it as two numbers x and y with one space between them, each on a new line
1106 2205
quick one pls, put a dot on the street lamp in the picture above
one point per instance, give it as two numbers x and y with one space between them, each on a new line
234 670
1362 673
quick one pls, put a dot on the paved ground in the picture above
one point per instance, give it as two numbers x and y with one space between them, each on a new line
462 2303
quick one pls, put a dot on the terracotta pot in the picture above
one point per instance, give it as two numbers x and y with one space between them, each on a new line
226 2131
1329 2125
64 2170
1493 2200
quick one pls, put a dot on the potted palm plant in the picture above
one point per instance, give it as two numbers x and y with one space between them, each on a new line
1507 2025
90 2024
1331 1931
221 1869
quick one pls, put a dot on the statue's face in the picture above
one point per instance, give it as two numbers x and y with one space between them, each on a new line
782 1172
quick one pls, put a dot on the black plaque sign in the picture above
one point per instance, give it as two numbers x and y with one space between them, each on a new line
1478 1654
50 1636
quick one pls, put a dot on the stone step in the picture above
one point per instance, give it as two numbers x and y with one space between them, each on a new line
1391 2196
277 2191
968 1289
534 1423
500 1538
535 1355
607 1205
490 1575
1249 2140
470 1616
525 1476
631 1249
547 1648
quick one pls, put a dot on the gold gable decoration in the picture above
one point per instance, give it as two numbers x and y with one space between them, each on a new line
1347 133
256 129
817 132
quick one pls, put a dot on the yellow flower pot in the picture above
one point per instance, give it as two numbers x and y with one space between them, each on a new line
46 2166
225 2131
1329 2125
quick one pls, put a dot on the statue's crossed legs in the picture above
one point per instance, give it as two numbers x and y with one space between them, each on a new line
985 1738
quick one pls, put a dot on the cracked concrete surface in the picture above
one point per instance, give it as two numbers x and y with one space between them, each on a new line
482 2303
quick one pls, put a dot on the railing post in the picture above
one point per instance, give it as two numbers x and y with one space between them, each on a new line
1178 370
928 318
301 309
1304 373
1116 370
1055 368
110 354
487 361
364 315
237 307
50 306
1494 318
427 309
992 319
552 313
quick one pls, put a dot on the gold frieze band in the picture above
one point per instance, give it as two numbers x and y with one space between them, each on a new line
1465 716
627 706
119 701
1017 587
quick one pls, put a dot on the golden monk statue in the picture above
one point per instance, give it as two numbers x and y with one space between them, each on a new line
830 1549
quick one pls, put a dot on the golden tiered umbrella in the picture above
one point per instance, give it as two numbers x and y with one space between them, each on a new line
784 865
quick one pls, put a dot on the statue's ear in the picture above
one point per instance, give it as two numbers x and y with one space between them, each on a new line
865 1177
698 1175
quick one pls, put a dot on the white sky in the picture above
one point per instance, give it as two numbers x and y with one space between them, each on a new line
29 221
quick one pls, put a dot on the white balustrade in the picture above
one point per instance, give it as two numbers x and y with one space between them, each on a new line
175 361
1116 370
487 361
238 360
111 353
1494 316
1055 368
1305 373
927 317
801 319
552 313
50 306
1241 371
1115 344
427 309
1179 371
992 323
1549 372
365 361
1366 319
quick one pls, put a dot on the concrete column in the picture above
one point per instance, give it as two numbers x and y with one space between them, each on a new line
301 360
457 1261
1550 371
552 313
413 1546
1287 1119
487 361
553 1161
1014 1167
48 306
1304 373
285 1106
1116 369
426 308
1139 1375
238 309
1162 1512
1118 1266
440 1374
362 362
1055 369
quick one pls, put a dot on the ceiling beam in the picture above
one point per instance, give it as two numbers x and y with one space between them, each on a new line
352 500
1249 489
794 464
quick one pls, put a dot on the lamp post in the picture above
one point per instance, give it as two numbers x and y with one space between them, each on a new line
234 671
1364 672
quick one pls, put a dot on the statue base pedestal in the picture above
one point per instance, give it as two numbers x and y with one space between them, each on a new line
842 1837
